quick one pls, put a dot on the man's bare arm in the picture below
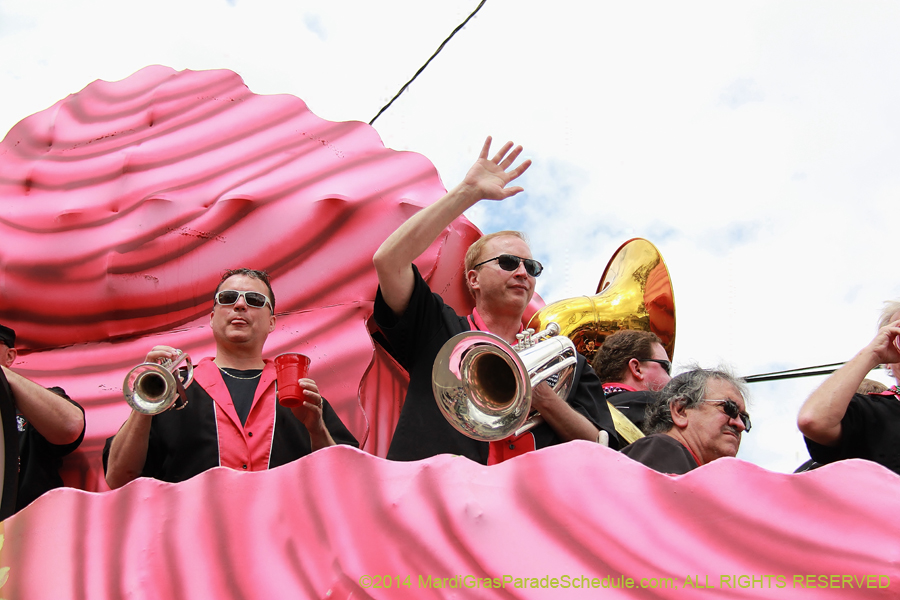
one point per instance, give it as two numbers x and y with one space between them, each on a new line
820 416
54 417
128 452
486 180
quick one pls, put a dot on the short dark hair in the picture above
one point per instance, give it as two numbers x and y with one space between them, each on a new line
252 273
870 386
611 361
8 336
689 388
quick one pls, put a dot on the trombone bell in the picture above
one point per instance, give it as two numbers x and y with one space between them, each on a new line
483 385
153 388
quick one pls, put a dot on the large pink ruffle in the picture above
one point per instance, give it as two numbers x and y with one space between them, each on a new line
340 521
121 205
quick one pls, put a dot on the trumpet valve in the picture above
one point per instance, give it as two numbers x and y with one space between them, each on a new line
524 340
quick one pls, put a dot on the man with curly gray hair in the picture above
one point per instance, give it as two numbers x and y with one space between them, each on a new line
699 416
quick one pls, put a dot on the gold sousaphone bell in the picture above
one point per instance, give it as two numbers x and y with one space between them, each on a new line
635 292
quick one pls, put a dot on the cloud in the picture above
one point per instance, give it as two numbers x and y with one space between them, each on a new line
314 24
13 22
740 92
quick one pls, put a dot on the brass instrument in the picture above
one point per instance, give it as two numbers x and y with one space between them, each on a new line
483 385
635 292
153 388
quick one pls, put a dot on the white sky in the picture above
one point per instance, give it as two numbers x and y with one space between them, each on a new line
754 143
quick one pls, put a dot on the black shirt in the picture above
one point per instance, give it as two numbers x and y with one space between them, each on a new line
39 460
870 430
632 404
663 453
242 386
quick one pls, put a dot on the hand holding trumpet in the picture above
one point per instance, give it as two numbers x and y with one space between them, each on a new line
158 383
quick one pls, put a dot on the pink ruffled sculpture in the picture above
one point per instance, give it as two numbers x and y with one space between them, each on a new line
121 205
572 521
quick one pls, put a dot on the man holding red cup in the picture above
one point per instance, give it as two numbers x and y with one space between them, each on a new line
231 417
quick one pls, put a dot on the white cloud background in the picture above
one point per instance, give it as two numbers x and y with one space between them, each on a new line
756 144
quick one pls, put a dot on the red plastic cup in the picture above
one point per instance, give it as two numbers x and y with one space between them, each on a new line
289 369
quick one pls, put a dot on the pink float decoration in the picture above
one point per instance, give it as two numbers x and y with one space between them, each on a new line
343 524
121 205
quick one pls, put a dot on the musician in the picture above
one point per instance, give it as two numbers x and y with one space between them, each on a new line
232 417
698 417
501 274
50 426
632 365
840 423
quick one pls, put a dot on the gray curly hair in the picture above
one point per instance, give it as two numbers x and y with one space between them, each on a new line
891 307
690 388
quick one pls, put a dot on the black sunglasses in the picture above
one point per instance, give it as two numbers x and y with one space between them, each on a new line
254 299
510 262
732 411
665 364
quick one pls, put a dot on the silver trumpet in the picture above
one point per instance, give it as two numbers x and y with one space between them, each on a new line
152 388
483 385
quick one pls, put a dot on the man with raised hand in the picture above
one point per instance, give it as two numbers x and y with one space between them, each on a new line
231 417
500 273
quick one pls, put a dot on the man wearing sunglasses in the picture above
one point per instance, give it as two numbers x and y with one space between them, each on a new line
231 417
698 417
632 365
49 425
500 273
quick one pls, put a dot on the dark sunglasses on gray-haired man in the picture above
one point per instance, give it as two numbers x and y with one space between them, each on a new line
732 411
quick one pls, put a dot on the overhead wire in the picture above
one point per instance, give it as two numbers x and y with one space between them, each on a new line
422 68
794 373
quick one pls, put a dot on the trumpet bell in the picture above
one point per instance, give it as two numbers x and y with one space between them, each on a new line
483 386
153 388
